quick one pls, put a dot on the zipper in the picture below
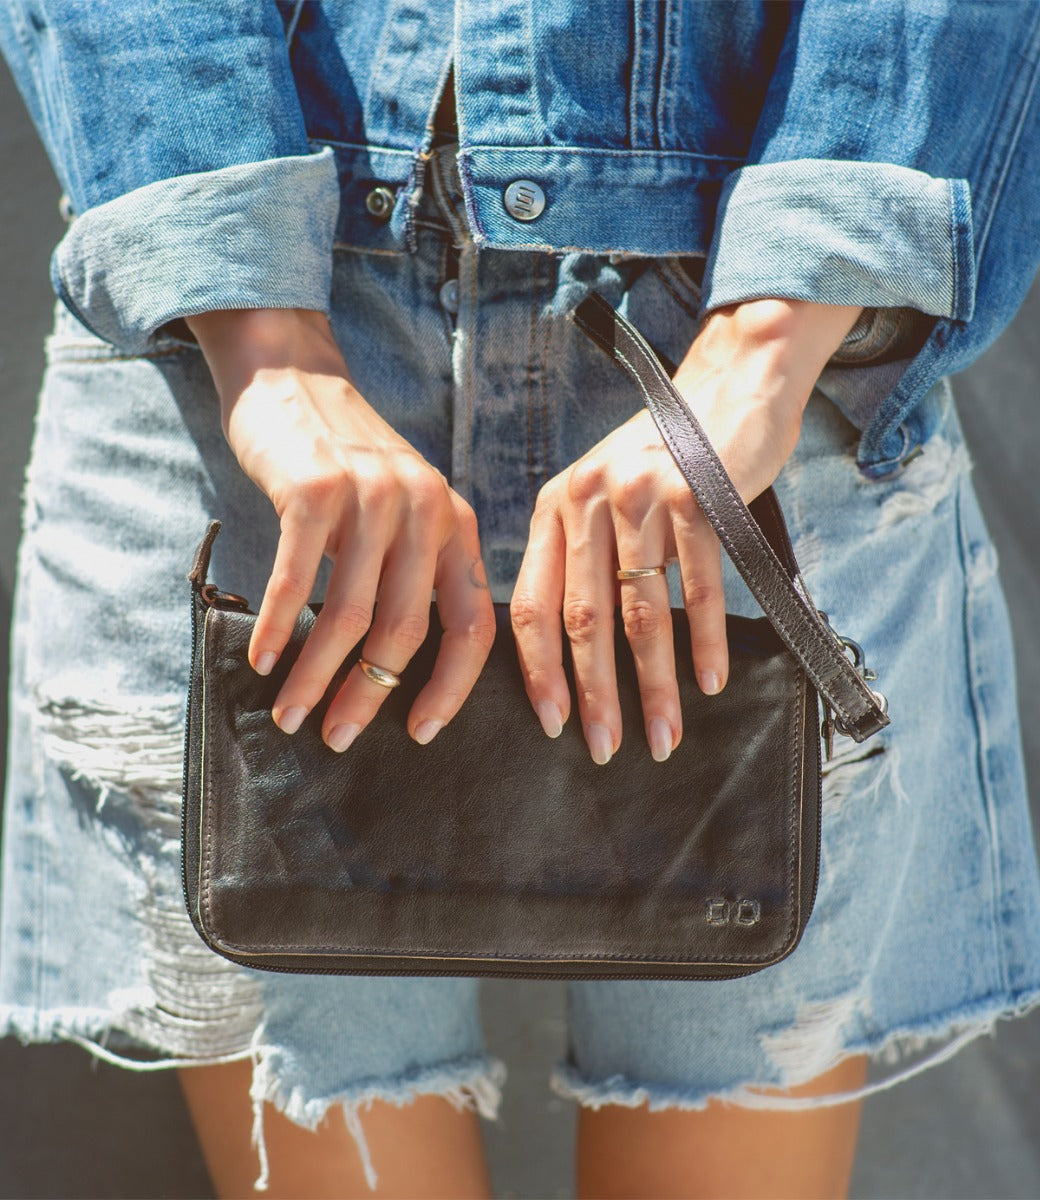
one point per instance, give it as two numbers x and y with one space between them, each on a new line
819 820
262 966
187 743
212 597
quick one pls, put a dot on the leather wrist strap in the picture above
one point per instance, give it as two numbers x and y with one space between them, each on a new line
760 549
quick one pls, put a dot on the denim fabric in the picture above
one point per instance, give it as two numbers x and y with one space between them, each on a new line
927 924
782 209
815 122
147 262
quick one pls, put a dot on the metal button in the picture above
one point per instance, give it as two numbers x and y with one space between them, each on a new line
449 296
380 203
524 199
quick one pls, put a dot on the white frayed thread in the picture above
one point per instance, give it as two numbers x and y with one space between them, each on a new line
257 1090
197 1010
202 1005
907 1045
188 1035
749 1098
91 1028
814 1041
479 1088
927 480
482 1092
112 750
870 773
197 1006
353 1123
143 1064
620 1091
616 1089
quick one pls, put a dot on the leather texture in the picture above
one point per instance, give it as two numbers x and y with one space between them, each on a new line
495 850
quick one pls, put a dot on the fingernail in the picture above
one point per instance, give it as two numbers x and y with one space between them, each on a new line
710 681
549 715
291 719
600 743
660 739
426 731
265 663
341 736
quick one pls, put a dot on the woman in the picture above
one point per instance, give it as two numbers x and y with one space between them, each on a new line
334 298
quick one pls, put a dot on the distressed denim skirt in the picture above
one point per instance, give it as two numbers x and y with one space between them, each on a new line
927 923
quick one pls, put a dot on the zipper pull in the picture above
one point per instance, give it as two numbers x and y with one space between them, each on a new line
827 733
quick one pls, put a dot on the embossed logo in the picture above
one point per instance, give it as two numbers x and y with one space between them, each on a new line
733 912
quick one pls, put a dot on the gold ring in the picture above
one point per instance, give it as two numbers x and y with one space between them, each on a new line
379 675
640 572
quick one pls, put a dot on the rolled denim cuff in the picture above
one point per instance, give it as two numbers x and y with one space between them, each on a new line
257 235
866 233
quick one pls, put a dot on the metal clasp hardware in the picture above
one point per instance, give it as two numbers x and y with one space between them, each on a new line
833 724
858 658
215 598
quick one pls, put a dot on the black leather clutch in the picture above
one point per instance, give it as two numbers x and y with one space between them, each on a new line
495 850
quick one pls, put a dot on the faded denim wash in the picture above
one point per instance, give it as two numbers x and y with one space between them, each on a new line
829 150
927 924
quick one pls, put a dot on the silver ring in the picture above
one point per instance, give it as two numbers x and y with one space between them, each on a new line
380 675
640 572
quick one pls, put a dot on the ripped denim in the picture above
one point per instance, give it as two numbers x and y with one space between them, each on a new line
927 924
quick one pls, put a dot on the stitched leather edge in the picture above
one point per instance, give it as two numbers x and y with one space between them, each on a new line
797 738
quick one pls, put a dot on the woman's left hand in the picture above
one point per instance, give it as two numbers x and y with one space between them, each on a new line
747 377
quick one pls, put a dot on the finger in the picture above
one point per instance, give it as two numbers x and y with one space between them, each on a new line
588 620
467 618
301 545
535 614
647 616
700 565
402 620
345 617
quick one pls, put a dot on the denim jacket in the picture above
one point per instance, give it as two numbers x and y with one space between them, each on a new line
869 152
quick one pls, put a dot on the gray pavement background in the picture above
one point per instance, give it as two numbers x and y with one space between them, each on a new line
73 1127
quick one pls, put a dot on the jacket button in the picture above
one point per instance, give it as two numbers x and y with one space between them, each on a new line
380 203
524 199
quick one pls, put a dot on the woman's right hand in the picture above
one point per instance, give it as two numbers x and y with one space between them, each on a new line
347 485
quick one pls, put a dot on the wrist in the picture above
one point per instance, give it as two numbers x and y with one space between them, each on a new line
773 349
242 346
796 331
268 334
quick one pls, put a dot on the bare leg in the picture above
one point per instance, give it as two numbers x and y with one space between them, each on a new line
722 1151
425 1148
